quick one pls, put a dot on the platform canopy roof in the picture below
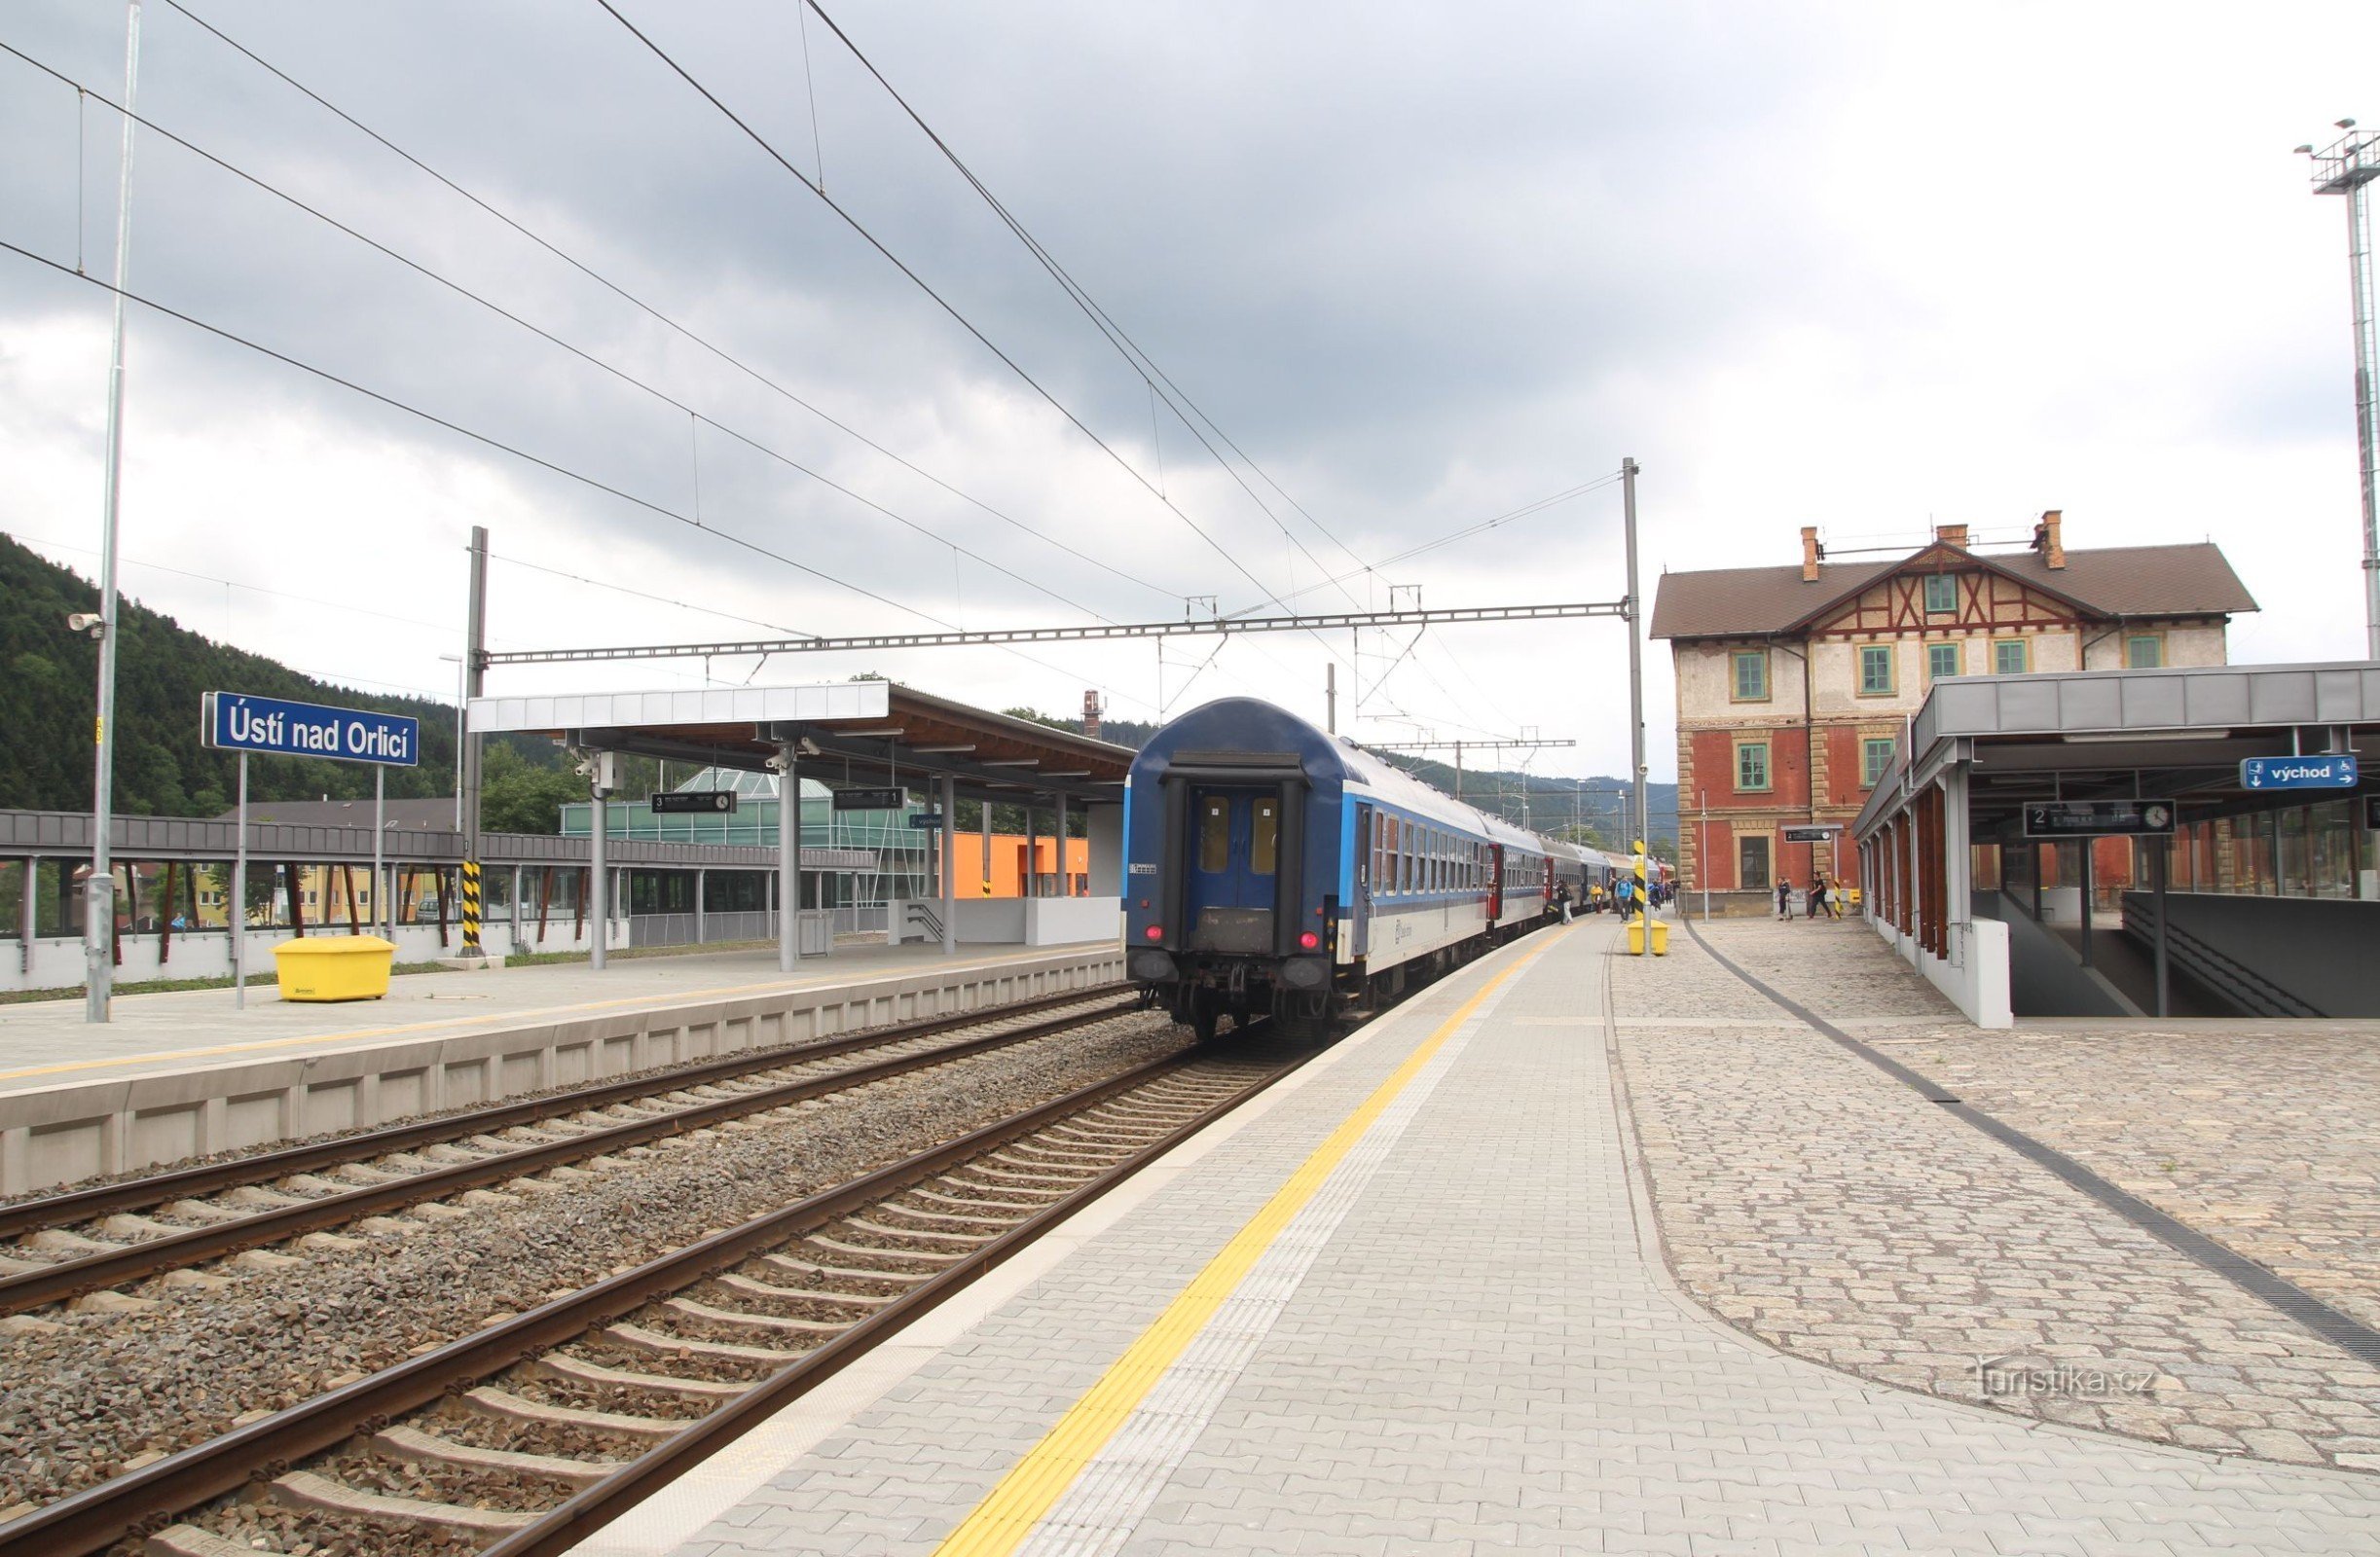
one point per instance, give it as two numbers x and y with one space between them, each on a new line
2175 734
866 733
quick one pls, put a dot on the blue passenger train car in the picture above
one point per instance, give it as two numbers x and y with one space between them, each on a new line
1276 870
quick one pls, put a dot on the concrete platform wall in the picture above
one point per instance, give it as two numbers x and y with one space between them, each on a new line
1978 983
56 1135
57 963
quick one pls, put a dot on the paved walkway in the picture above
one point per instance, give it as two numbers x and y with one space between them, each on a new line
1826 1209
46 1042
1411 1307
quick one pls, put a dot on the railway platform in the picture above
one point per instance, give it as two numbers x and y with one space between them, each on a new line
183 1074
1416 1298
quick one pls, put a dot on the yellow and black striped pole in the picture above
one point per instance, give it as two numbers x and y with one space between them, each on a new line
470 908
1644 907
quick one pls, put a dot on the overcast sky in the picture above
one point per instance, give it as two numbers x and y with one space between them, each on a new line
1861 265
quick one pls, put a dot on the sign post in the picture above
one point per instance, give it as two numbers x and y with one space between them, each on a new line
235 721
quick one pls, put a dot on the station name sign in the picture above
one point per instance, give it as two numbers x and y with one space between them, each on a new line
924 818
235 721
2094 818
870 799
1812 833
2298 773
693 803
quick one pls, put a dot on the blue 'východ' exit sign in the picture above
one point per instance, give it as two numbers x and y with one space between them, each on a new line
235 721
2298 773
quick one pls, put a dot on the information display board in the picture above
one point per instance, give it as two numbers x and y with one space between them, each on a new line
693 803
2098 818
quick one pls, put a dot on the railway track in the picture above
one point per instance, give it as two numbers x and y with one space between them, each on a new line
525 1436
97 1238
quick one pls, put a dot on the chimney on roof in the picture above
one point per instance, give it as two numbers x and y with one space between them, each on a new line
1092 709
1952 535
2047 541
1812 550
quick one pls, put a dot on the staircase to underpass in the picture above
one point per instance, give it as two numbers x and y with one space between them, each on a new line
2248 991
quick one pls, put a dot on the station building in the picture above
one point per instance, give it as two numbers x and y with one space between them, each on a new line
1794 683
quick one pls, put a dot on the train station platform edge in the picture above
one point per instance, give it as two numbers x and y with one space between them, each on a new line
1456 1334
45 1043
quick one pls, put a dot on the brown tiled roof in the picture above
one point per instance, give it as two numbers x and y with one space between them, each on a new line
2192 579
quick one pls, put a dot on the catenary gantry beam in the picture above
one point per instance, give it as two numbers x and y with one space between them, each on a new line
1226 625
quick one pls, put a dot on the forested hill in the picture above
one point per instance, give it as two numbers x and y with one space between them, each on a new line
48 691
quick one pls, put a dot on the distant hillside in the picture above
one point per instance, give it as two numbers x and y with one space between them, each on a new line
1550 805
47 690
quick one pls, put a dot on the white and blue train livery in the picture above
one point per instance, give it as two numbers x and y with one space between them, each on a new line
1275 870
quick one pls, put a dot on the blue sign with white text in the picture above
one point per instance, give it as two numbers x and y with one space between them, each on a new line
235 721
2298 773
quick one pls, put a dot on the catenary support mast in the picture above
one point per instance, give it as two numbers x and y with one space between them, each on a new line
100 910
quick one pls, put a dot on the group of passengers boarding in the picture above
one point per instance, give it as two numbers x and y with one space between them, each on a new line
1823 898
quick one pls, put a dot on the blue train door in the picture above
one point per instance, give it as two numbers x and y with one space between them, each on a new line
1364 856
1235 849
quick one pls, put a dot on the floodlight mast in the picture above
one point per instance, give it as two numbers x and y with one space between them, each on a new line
2347 168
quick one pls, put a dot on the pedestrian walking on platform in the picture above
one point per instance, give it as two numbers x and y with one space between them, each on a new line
1816 901
1784 897
1561 899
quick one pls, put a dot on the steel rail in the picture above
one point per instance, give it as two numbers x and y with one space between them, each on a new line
143 1501
58 1211
589 1511
133 1262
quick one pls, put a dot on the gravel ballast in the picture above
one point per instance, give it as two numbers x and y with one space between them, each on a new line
79 1400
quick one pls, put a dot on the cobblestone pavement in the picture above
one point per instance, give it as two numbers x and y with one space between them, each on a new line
1817 1203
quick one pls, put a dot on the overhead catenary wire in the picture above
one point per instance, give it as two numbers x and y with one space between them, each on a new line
869 237
543 334
1089 303
697 520
776 156
1142 364
651 309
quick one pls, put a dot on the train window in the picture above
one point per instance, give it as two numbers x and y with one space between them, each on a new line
1266 839
1215 834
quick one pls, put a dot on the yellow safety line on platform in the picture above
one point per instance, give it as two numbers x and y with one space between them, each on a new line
491 1020
1008 1512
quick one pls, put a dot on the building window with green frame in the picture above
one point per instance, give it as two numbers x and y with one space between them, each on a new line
2143 651
1876 669
1941 593
2011 656
1875 756
1941 660
1752 766
1750 683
